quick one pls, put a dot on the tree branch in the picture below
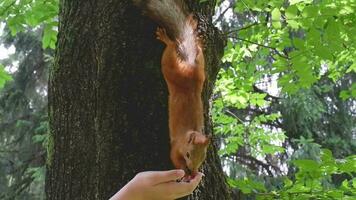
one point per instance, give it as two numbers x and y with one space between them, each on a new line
255 162
262 45
242 28
223 12
256 89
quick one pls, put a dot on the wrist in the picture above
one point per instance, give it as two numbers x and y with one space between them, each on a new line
126 193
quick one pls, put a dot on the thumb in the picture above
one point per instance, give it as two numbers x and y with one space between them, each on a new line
166 176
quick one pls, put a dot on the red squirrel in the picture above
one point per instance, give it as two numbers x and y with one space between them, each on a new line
182 66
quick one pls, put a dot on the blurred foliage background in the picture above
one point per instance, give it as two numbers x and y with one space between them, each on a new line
283 108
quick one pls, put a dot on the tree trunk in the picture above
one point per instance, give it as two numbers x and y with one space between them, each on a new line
108 101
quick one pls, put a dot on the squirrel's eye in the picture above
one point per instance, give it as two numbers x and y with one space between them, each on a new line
188 155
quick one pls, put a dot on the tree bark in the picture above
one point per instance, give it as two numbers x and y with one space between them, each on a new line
108 101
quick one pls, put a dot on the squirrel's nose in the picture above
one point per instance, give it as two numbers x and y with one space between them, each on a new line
187 171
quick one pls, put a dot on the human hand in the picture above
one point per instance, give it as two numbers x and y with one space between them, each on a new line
157 185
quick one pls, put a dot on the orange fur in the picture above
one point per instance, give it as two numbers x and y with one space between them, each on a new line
186 122
183 69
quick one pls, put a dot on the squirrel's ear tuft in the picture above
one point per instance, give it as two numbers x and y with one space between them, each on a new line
191 137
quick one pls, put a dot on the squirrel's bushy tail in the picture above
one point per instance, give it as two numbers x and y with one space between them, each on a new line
169 14
172 15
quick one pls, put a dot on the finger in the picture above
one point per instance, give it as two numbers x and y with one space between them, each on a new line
196 180
181 189
165 176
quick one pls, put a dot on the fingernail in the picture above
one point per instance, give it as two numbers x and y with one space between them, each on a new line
202 174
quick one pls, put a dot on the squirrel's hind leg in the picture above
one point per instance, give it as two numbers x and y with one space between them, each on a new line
162 35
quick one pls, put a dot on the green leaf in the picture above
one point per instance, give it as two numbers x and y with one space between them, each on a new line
4 76
39 138
298 188
291 12
349 166
336 194
287 182
247 186
299 43
293 24
345 185
271 149
310 11
323 52
308 165
292 2
353 90
327 156
37 173
344 95
49 37
352 68
276 17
